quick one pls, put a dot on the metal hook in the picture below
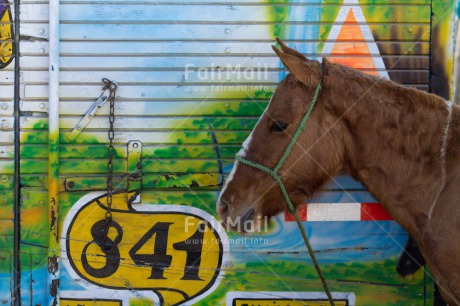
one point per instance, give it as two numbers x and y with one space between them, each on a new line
105 230
110 85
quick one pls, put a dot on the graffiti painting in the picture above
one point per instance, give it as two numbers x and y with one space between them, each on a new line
6 34
193 80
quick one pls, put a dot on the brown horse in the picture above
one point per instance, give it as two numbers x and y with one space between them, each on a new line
401 143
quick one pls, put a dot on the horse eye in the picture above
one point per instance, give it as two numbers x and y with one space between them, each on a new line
278 127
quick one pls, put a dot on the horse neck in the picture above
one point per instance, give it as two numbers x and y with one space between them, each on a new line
393 143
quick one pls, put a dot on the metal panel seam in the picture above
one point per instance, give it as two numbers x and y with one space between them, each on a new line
16 292
53 264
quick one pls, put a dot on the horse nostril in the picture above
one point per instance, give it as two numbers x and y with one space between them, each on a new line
221 202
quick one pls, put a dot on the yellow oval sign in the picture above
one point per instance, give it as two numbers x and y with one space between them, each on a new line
175 251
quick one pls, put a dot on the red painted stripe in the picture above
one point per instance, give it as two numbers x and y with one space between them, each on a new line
374 211
302 210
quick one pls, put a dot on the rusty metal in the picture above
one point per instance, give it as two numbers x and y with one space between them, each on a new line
91 183
54 251
149 180
112 87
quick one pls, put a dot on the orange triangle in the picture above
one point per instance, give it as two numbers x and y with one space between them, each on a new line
352 48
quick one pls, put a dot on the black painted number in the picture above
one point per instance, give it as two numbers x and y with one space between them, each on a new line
159 260
107 246
194 247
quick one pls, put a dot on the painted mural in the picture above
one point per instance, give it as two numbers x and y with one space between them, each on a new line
193 79
6 34
6 153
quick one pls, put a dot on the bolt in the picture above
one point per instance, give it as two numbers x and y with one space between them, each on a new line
4 178
228 50
228 264
78 127
4 124
228 31
42 105
4 106
70 184
41 31
410 30
42 50
227 105
135 145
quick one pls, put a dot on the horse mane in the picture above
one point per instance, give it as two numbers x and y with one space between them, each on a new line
409 95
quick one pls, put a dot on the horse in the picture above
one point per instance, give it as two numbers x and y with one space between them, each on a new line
402 144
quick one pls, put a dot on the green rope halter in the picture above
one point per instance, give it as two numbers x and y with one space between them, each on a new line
275 175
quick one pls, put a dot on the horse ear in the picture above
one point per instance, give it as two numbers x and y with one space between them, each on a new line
290 51
307 72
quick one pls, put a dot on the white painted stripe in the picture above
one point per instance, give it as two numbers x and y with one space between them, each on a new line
367 33
335 30
334 212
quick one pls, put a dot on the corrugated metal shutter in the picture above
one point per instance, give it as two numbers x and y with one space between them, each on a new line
148 49
190 121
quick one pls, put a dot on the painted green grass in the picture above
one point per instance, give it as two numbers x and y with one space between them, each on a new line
296 276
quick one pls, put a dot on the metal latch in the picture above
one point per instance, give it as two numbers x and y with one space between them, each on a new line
134 171
87 118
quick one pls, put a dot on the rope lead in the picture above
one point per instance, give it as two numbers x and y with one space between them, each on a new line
277 178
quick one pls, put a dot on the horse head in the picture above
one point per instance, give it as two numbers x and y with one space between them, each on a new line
250 194
401 143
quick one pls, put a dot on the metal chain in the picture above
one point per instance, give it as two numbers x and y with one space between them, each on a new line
112 87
